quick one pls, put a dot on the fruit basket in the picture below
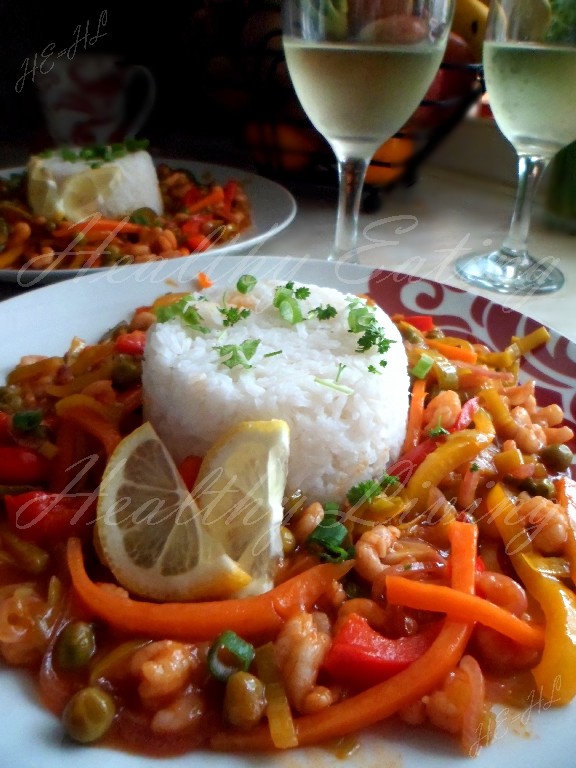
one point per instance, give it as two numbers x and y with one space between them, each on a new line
251 75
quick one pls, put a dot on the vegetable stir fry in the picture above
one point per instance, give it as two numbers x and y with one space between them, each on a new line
431 594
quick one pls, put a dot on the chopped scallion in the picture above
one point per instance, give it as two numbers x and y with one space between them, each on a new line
228 654
422 367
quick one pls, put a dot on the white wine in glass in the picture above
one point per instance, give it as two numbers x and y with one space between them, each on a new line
360 69
530 72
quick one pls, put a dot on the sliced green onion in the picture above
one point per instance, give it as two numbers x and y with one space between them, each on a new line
422 367
246 283
228 654
26 421
329 536
331 384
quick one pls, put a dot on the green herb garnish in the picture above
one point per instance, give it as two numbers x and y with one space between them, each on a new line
233 315
362 320
323 313
438 432
186 310
232 355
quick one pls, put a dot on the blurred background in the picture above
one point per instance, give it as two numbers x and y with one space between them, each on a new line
204 80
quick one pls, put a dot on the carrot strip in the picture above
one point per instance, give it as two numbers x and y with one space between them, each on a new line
99 225
464 551
462 606
212 198
203 280
415 415
453 351
249 617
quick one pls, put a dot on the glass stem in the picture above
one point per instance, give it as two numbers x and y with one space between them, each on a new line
351 174
530 170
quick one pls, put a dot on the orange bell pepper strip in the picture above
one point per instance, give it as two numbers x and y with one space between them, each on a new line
566 495
415 415
196 621
94 424
554 673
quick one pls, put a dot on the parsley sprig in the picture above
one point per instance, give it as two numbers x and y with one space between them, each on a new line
232 355
368 490
233 315
186 310
362 320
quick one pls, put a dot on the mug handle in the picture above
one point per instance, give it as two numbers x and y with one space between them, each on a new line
139 71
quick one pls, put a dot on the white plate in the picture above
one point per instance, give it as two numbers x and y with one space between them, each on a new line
273 208
87 306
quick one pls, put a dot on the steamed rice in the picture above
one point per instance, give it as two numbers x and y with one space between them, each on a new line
337 438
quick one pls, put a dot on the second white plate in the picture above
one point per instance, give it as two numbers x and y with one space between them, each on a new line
273 208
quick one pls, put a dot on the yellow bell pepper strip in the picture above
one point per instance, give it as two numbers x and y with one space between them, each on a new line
458 448
386 698
248 617
278 711
554 673
103 371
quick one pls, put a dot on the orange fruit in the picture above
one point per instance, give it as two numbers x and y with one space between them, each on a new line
389 161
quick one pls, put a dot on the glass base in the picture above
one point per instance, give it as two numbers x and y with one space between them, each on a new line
510 273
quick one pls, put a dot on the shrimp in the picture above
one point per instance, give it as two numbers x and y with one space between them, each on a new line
372 548
185 713
307 520
548 520
164 668
443 410
300 649
529 437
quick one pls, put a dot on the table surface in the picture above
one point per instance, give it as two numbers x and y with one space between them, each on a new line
420 230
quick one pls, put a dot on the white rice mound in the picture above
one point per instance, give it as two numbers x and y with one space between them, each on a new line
337 439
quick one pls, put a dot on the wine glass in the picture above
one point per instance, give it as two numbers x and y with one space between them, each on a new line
360 69
529 63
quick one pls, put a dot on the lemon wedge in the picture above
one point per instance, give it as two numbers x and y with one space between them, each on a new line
240 489
86 193
149 531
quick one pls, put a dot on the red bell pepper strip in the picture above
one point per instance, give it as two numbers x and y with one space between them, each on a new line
466 415
409 461
422 323
132 343
48 518
22 466
360 656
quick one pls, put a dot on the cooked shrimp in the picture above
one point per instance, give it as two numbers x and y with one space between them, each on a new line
164 668
300 649
548 520
184 713
307 520
529 437
443 410
372 548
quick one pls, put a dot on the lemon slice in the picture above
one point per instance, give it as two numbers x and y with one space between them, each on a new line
240 489
43 193
149 531
85 193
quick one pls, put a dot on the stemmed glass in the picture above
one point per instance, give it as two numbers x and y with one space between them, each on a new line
360 70
530 72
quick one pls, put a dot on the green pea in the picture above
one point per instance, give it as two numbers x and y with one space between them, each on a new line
76 645
88 714
542 487
556 457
